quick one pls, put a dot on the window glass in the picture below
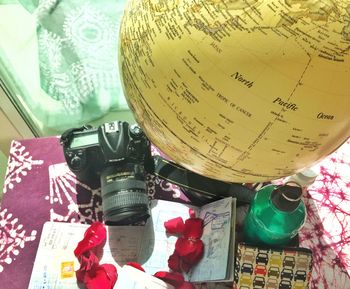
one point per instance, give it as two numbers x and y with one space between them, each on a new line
59 61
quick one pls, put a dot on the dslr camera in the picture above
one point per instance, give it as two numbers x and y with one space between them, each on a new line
116 154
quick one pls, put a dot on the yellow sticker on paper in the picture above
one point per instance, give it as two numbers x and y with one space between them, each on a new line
67 269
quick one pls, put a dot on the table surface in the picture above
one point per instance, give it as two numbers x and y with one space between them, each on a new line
39 187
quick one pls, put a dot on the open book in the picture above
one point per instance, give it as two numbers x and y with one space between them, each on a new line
148 245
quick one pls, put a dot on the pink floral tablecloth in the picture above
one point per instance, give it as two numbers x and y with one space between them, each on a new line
39 187
327 228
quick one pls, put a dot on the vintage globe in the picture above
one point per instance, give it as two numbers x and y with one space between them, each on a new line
240 91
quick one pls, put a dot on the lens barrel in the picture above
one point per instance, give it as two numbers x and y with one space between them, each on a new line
124 194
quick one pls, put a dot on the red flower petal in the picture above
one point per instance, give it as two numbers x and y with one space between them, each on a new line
188 249
184 246
94 237
93 275
173 278
174 262
174 226
191 251
87 263
193 228
103 277
196 255
186 267
135 265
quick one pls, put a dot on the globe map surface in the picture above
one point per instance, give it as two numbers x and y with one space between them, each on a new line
240 91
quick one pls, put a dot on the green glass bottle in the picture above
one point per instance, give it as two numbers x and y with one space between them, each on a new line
275 216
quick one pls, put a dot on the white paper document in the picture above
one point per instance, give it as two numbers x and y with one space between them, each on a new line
132 278
149 245
55 263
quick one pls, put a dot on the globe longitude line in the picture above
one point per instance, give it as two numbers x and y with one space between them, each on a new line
300 78
316 26
295 36
269 125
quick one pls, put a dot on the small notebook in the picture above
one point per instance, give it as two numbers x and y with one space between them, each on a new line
272 268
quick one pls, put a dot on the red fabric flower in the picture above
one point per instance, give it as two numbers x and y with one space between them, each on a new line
91 273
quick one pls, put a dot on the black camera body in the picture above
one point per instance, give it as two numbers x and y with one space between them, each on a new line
116 153
117 156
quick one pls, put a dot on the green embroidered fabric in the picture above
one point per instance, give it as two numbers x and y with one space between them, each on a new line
77 44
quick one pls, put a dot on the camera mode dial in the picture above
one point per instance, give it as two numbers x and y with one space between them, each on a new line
135 131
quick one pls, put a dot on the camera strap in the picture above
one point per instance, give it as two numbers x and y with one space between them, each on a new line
198 186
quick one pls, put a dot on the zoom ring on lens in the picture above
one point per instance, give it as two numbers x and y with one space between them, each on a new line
122 185
121 200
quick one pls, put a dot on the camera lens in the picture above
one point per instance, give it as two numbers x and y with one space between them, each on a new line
124 195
